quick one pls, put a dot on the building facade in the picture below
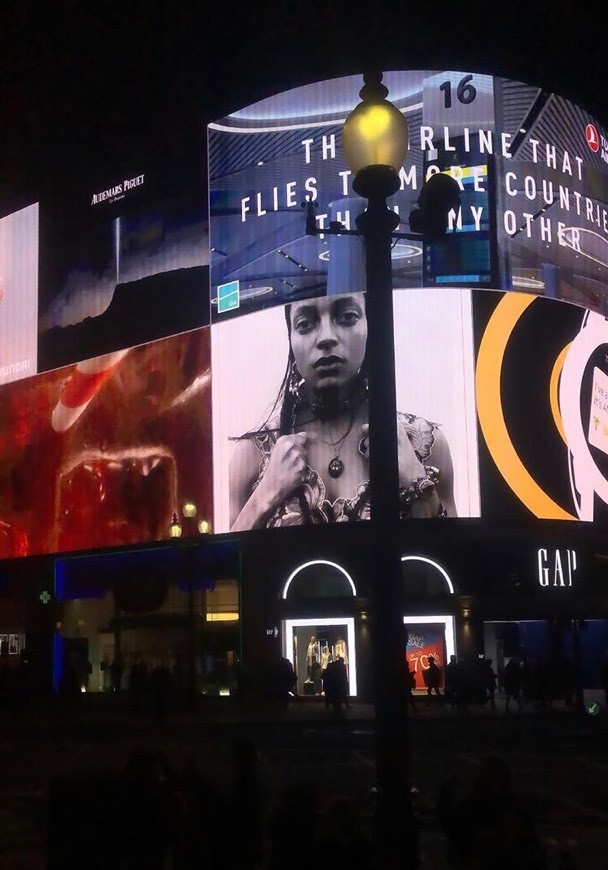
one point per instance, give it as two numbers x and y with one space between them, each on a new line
168 360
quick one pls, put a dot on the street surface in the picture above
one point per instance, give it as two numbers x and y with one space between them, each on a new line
558 761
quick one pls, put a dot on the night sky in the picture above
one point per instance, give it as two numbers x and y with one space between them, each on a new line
80 78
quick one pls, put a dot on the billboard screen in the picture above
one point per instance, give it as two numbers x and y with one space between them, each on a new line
124 262
277 438
101 453
542 401
125 297
533 182
531 168
18 294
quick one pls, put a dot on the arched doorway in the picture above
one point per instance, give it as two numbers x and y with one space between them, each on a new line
320 588
430 634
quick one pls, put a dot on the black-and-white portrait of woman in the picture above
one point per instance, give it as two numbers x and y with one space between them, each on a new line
291 398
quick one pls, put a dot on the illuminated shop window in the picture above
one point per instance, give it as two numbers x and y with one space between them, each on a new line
223 602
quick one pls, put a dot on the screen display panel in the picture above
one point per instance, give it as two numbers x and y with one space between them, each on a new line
101 453
275 440
123 259
18 294
542 400
531 168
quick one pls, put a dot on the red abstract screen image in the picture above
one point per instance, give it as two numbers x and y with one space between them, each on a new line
101 453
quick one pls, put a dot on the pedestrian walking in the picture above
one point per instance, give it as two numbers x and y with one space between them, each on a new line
433 678
511 682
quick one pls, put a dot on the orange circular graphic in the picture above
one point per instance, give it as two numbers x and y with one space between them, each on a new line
490 411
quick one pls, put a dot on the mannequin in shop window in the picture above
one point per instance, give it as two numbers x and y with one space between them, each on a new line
313 664
308 462
325 657
312 654
341 650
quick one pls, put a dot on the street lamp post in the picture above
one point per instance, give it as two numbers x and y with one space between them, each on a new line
375 141
189 511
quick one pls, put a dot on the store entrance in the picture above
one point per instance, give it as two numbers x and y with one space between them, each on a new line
311 644
429 637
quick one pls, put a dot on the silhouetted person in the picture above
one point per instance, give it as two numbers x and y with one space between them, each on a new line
410 685
433 678
453 682
116 671
335 684
286 680
160 690
201 823
503 832
138 685
147 816
292 830
511 682
70 680
245 835
242 679
490 682
341 841
486 826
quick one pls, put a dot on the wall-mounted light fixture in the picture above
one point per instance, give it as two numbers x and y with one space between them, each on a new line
204 527
175 529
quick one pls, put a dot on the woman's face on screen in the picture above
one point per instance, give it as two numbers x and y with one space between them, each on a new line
328 339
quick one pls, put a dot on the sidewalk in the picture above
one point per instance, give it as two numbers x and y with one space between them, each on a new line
112 710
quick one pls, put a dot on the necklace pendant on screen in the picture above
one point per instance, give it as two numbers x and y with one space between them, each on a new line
335 467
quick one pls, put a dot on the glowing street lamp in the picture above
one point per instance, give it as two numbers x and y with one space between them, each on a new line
175 529
375 141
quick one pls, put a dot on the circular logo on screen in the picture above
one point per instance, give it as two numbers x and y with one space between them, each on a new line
592 137
592 708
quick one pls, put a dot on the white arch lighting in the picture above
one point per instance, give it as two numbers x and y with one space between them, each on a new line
294 574
441 570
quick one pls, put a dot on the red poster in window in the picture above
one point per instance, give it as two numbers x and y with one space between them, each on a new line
424 641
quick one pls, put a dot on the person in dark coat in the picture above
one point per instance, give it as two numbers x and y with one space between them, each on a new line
511 682
335 684
453 683
433 678
410 685
286 680
490 682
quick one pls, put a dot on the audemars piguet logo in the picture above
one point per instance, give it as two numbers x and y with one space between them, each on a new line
118 191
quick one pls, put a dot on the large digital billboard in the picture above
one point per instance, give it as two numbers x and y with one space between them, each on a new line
290 409
542 401
124 261
157 348
18 294
101 453
531 168
533 183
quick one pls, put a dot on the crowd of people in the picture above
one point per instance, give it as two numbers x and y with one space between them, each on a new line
156 814
534 681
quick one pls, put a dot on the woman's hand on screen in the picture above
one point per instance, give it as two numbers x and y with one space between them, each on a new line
286 468
409 464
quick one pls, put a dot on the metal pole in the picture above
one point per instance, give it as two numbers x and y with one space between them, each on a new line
395 835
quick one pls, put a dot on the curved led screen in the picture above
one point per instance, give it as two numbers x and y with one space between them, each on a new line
531 168
143 366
